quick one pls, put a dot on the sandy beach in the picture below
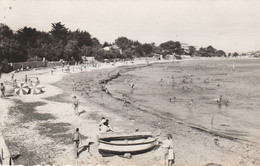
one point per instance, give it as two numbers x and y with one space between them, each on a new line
39 127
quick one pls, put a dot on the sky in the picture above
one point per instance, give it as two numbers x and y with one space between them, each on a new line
229 25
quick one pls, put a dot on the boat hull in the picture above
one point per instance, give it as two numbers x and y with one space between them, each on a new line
126 143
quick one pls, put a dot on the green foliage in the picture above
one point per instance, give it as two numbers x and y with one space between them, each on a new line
147 48
4 67
27 36
58 51
12 51
61 43
123 43
106 44
221 53
171 47
128 53
5 31
59 31
192 50
96 43
71 50
139 50
210 52
235 54
82 37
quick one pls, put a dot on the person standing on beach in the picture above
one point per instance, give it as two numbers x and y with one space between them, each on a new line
76 105
76 140
14 83
168 150
37 81
12 77
190 104
166 68
2 88
25 78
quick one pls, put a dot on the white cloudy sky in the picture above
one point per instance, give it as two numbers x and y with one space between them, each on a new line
231 25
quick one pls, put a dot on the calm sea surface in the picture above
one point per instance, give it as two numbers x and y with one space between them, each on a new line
196 84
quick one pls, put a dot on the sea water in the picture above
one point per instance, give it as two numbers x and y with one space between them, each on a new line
194 86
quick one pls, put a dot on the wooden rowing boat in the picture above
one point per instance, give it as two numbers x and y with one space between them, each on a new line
121 142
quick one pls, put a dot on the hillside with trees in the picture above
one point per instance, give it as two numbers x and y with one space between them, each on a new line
30 44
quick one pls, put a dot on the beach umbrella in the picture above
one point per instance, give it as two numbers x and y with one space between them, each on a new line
21 89
35 88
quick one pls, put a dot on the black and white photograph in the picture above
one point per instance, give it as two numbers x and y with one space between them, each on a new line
130 82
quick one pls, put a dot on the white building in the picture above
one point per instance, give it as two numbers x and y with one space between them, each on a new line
185 46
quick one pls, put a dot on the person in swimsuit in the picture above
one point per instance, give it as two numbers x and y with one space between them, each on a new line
75 105
168 150
76 140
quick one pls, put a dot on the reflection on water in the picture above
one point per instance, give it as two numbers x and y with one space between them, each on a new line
196 85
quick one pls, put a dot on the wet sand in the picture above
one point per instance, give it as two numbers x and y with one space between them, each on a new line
191 146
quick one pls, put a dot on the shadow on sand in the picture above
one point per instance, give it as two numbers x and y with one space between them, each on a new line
81 112
85 147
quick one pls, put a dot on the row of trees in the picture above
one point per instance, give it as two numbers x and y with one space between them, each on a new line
30 44
61 43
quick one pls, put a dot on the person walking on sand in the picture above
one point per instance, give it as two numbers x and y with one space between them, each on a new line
168 150
14 83
37 81
76 140
25 78
76 105
191 102
166 68
12 77
2 88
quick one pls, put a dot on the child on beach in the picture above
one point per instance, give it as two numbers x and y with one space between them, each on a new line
37 81
103 120
76 105
105 127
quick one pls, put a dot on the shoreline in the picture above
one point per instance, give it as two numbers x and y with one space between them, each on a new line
124 69
176 122
181 132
